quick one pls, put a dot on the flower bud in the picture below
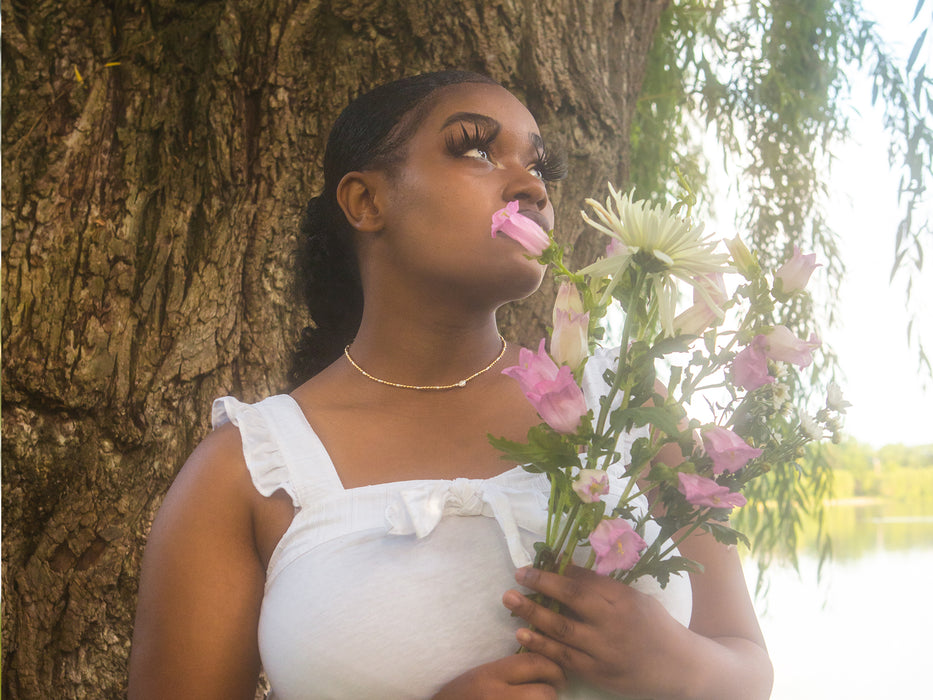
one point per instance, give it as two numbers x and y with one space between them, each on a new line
742 257
570 337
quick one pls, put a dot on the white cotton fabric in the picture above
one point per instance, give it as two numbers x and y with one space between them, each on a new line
389 591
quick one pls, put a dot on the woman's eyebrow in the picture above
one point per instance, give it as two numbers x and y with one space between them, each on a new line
474 118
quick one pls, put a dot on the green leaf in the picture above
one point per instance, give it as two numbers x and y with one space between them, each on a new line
545 451
665 418
724 533
916 50
677 343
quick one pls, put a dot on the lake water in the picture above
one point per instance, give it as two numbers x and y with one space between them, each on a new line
863 631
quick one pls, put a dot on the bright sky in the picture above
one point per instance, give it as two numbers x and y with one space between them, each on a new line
882 378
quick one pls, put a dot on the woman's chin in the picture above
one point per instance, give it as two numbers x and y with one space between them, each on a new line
522 280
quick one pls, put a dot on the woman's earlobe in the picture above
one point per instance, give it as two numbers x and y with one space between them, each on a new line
356 197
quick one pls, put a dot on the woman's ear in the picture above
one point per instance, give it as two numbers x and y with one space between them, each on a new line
356 195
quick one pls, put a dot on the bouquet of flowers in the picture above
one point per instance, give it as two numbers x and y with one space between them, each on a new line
724 349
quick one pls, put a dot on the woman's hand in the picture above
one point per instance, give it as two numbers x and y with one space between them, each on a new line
517 677
624 641
614 636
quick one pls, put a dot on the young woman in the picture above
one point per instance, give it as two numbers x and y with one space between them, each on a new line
360 535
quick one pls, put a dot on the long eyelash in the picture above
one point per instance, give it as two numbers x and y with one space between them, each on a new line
552 164
469 136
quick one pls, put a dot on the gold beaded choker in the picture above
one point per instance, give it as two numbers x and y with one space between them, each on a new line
437 387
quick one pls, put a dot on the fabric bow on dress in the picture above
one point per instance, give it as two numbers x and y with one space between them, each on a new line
419 509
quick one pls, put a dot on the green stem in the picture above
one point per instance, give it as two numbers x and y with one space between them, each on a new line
690 531
569 525
604 409
550 510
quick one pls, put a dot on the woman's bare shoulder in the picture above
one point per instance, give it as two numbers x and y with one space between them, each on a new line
201 583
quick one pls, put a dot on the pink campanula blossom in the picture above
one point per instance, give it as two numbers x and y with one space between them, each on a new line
794 274
520 228
781 344
590 484
700 491
551 390
616 247
708 299
728 451
750 367
570 340
617 546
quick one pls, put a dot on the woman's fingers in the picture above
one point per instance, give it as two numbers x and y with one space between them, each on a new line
569 658
571 640
526 676
585 592
533 668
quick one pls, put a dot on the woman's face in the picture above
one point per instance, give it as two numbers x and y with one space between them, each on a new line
477 149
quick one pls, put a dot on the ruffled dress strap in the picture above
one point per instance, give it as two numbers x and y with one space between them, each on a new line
282 451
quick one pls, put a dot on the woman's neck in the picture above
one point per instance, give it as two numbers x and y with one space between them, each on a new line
420 350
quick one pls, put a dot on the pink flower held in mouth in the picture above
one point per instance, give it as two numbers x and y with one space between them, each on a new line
520 228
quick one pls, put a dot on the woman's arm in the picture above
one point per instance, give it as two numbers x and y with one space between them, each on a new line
201 584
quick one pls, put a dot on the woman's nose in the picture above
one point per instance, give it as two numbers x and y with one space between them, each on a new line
526 188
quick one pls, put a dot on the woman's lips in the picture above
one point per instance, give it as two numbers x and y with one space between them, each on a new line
537 217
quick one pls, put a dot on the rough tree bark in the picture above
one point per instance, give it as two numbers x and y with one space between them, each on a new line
156 154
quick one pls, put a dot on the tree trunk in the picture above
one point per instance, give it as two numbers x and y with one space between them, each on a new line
156 156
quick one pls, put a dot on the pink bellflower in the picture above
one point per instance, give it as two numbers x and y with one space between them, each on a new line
617 546
520 228
708 299
750 367
590 484
700 491
728 451
551 390
781 344
794 274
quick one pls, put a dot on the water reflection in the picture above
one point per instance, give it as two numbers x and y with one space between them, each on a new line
860 526
862 631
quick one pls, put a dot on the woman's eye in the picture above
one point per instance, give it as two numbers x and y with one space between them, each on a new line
536 171
478 153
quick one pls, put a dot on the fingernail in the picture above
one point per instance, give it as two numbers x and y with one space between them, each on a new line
511 599
523 636
521 574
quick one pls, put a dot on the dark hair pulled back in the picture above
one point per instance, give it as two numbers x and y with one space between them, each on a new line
371 132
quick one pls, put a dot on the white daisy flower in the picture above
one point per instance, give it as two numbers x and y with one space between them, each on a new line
810 427
834 398
655 239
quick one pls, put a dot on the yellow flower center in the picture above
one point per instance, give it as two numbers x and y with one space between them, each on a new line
619 547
